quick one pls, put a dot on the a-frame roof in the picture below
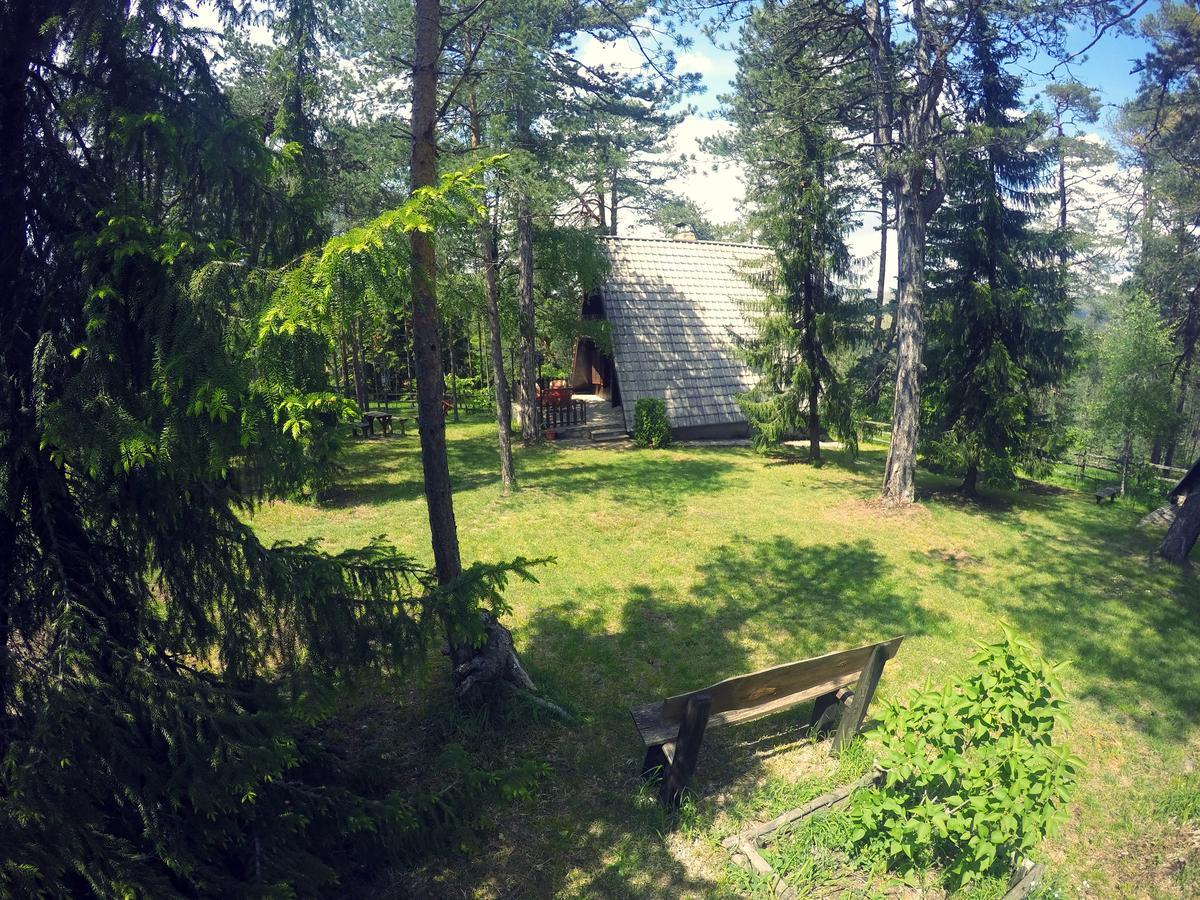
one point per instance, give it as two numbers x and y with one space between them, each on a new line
675 308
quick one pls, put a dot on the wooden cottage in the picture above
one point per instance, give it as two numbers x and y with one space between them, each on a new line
675 307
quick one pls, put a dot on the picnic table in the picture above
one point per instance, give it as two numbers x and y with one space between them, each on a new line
385 419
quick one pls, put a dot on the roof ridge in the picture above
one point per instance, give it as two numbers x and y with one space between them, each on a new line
675 243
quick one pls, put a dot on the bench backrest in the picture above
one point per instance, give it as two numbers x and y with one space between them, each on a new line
761 693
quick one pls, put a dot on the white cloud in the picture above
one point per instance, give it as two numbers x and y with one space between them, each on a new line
619 56
691 61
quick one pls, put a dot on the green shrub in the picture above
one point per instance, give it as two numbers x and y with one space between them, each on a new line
650 426
973 777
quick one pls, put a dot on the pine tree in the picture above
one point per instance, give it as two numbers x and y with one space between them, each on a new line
160 668
798 182
998 339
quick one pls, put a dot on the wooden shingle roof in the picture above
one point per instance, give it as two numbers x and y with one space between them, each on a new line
674 308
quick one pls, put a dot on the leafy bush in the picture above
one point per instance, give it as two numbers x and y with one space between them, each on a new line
650 426
973 777
473 394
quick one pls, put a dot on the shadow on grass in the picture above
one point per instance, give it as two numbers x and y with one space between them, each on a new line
1086 586
639 478
388 470
1092 591
597 832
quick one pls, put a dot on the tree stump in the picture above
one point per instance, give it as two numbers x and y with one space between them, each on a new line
481 672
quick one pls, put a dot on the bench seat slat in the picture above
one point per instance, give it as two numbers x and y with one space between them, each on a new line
748 697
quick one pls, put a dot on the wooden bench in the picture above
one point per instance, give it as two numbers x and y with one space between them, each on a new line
1108 493
361 427
673 729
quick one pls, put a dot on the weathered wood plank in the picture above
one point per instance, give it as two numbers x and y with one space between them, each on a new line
687 751
747 697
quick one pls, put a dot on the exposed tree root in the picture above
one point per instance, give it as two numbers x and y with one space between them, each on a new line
480 672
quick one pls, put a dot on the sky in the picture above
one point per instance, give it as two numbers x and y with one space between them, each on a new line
715 184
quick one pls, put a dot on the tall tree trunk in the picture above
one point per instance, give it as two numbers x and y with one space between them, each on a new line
1062 178
899 480
1126 453
1180 538
478 671
360 373
426 325
875 386
918 191
602 212
970 485
1185 377
528 318
529 402
508 476
489 251
613 206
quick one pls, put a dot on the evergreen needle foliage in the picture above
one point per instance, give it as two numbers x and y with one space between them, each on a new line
798 178
163 673
999 342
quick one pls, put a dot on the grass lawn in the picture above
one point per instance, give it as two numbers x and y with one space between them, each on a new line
677 568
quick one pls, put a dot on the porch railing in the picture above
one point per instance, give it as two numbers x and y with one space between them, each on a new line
561 414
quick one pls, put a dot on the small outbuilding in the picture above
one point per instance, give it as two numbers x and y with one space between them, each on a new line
675 307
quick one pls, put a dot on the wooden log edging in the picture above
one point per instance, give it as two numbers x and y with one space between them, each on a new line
743 846
759 835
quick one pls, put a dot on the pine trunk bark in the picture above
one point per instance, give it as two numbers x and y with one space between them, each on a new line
899 480
1185 377
477 671
426 325
508 477
613 202
874 388
529 410
490 252
1181 537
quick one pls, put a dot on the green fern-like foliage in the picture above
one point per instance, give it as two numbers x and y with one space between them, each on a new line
164 675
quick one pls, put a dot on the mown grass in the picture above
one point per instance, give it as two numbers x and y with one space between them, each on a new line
677 568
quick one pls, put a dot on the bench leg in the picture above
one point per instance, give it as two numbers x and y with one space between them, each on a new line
863 693
655 763
827 711
687 751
